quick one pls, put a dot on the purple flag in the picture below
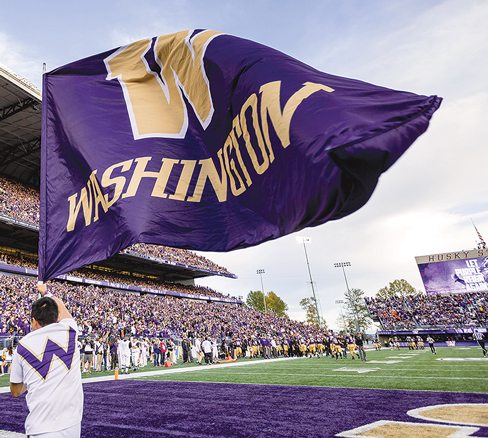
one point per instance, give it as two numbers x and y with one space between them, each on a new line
206 141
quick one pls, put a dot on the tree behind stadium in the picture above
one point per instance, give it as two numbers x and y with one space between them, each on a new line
274 304
308 305
396 288
356 315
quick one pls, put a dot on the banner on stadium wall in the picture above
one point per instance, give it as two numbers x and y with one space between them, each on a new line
206 141
454 272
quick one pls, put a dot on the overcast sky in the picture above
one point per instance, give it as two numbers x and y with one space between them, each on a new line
422 205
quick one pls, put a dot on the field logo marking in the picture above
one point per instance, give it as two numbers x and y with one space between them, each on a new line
458 420
385 429
472 414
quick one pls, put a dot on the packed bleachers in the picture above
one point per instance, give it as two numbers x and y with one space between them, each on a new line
19 202
105 314
22 203
430 311
101 312
24 260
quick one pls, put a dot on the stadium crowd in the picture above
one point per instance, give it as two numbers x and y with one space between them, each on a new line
148 328
22 203
19 202
25 261
104 312
175 255
425 311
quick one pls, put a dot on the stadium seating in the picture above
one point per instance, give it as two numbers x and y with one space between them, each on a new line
430 311
112 308
102 312
120 281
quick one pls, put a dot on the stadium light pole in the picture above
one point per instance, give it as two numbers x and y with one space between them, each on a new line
343 265
306 240
261 272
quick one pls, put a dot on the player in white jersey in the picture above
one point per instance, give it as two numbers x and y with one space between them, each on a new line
135 352
198 348
46 364
123 350
143 356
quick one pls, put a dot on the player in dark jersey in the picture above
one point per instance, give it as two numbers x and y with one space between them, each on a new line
480 338
431 341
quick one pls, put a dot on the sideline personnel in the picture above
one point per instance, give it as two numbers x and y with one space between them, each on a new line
46 364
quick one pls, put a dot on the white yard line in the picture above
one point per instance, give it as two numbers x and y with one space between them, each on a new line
386 367
399 357
177 371
187 370
214 368
368 376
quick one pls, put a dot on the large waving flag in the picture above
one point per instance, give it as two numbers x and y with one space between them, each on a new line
206 141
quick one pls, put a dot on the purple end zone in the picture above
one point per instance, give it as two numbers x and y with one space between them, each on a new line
186 409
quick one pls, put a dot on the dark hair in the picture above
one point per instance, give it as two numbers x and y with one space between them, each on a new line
45 311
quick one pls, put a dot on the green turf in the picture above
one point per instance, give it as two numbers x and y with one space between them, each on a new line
422 372
4 380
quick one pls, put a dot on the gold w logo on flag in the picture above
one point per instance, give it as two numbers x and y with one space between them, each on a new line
155 101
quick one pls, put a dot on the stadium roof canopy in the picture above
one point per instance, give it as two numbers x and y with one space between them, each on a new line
20 129
24 237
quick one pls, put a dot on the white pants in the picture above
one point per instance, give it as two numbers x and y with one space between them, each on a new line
70 432
124 361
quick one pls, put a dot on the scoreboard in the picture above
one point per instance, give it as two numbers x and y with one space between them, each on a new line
454 272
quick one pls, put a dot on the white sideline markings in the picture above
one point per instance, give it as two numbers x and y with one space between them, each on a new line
369 376
204 367
187 370
464 359
399 357
175 371
394 370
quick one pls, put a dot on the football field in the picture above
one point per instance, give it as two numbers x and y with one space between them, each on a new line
452 369
459 369
394 394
